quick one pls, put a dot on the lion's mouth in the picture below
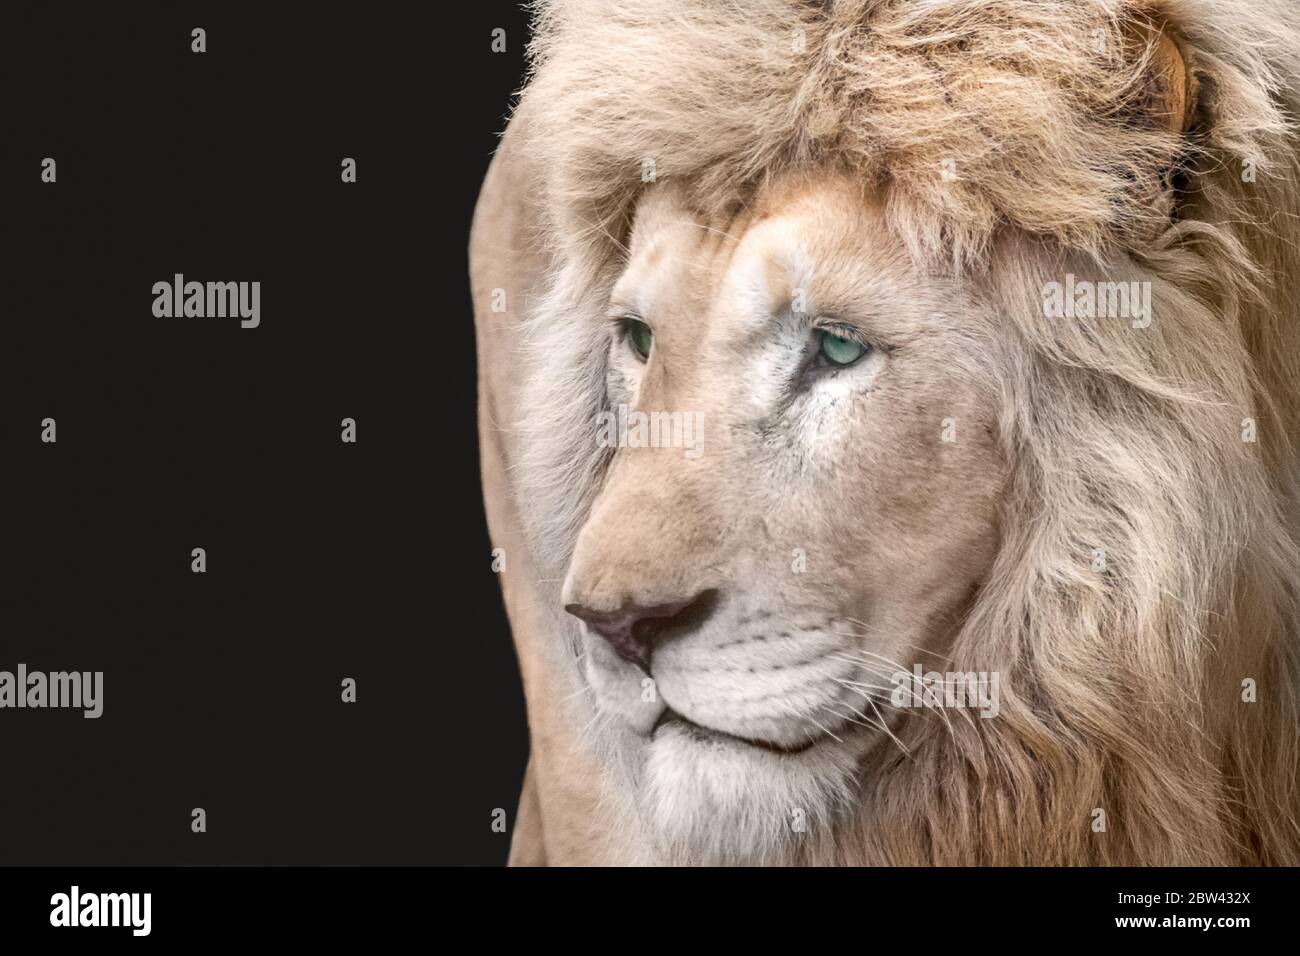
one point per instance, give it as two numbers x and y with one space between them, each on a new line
670 717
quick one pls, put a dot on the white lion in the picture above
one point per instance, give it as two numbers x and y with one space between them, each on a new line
828 231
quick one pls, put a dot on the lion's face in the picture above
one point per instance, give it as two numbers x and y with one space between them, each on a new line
823 521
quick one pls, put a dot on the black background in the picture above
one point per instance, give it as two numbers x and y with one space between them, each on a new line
325 560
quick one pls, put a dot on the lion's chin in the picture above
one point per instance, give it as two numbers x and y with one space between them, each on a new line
711 797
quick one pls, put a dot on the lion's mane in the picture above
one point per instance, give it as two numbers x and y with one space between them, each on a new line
1123 690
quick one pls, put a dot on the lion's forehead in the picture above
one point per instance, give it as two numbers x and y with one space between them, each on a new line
819 247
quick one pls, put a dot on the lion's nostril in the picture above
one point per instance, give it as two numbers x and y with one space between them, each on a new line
632 629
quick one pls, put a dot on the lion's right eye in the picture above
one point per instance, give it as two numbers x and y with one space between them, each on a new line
640 338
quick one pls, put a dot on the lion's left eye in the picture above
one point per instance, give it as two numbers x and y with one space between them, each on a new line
838 350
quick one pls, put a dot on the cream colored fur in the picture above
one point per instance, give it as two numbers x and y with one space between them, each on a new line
926 168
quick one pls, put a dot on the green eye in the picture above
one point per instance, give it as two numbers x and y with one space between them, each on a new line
639 334
837 350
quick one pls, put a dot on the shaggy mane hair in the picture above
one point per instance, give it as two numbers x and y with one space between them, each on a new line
1122 691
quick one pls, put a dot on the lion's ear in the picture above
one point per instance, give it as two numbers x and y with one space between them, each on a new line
1163 102
1169 95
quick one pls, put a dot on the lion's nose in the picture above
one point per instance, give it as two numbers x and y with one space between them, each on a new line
633 628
